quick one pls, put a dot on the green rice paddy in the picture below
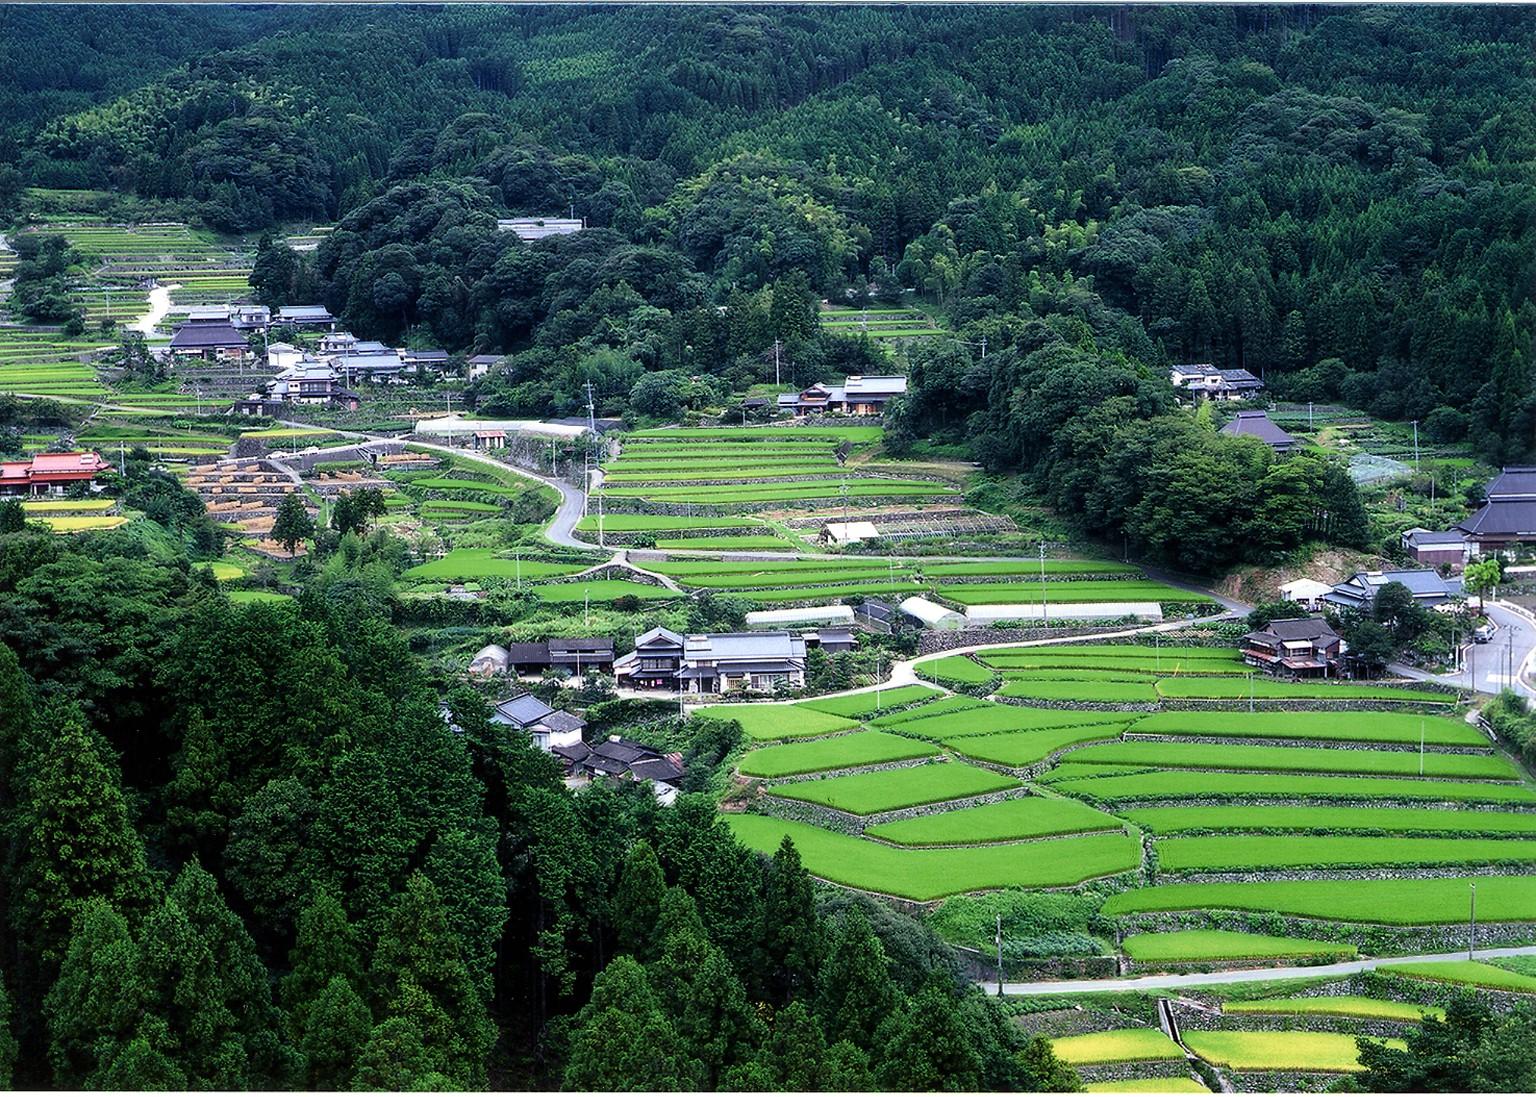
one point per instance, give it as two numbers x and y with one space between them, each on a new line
862 748
1362 727
1196 945
1008 821
1317 817
1407 902
1131 1045
871 793
461 564
923 875
1394 763
769 721
1324 1052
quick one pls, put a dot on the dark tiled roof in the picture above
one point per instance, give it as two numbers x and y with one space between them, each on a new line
1255 424
197 336
587 645
1503 518
523 710
528 653
1295 628
560 720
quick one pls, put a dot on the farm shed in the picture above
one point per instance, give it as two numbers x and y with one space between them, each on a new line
847 533
800 615
931 614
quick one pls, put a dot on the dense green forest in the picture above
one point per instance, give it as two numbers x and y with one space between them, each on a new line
247 847
1337 199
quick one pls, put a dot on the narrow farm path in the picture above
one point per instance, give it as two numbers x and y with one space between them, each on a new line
1247 975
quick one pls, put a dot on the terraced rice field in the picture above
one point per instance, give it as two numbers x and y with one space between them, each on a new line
1009 821
1196 945
1067 591
1322 1052
974 717
767 722
1406 902
941 706
602 590
1393 763
954 668
743 543
1093 691
880 324
205 270
43 362
862 748
1314 817
654 523
1227 689
462 564
81 523
1360 727
1026 748
1154 784
864 705
923 875
1180 1084
1238 853
1344 1005
871 793
1130 1045
1471 973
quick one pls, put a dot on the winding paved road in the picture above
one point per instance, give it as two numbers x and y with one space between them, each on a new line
1247 975
1503 661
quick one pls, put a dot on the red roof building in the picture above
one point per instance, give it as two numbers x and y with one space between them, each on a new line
49 472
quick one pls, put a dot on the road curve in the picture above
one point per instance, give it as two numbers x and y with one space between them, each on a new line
1247 975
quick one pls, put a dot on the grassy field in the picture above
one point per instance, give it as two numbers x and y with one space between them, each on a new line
1431 901
954 668
862 748
1008 821
1466 972
869 793
927 874
1359 727
1128 1045
778 721
1331 1052
1396 763
1094 692
1251 851
602 590
1310 817
462 564
1194 945
1231 689
242 597
872 703
223 571
1345 1005
1181 785
1025 748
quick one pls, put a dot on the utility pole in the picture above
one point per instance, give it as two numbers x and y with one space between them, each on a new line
1309 414
1421 746
1045 612
999 940
775 369
1472 925
1415 444
983 348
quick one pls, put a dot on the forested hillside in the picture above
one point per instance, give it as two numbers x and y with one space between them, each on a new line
1335 199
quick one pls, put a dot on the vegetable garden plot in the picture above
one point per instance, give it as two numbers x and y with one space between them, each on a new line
1466 973
1188 784
872 793
1398 902
1220 853
1094 692
1229 689
768 721
1009 821
927 874
1193 945
872 702
1314 817
1396 763
1025 748
1379 727
862 748
1344 1005
1324 1052
1129 1045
